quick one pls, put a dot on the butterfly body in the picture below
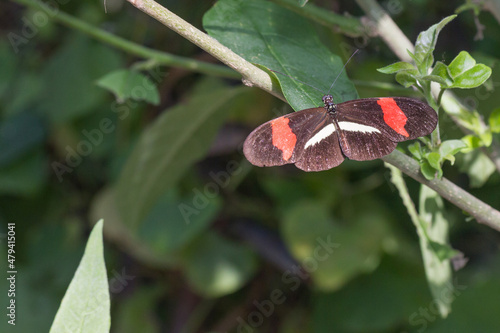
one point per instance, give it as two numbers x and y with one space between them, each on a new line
321 138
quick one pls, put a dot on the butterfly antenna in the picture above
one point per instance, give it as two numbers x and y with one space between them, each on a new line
307 84
338 75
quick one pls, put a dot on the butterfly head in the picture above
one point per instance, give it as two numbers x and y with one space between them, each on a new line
329 104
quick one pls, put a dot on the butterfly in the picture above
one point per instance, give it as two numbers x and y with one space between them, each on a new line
321 138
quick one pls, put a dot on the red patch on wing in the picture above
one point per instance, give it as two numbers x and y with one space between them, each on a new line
283 137
393 116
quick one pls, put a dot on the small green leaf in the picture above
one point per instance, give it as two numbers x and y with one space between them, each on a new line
434 160
427 170
473 77
425 44
128 84
396 67
442 251
85 306
494 121
435 78
416 150
465 73
407 78
472 142
440 74
449 148
462 62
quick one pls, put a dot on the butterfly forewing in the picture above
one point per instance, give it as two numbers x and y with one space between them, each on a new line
322 149
281 140
398 118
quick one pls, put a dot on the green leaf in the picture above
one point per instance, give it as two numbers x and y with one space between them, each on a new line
434 160
465 73
462 63
333 253
472 142
451 147
85 306
425 44
281 40
440 74
407 78
437 268
215 266
175 141
396 67
428 171
416 150
128 84
472 78
494 121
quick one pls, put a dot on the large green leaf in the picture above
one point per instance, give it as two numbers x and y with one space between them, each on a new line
269 35
177 139
85 306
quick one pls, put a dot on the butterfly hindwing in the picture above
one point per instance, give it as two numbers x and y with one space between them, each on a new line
321 151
